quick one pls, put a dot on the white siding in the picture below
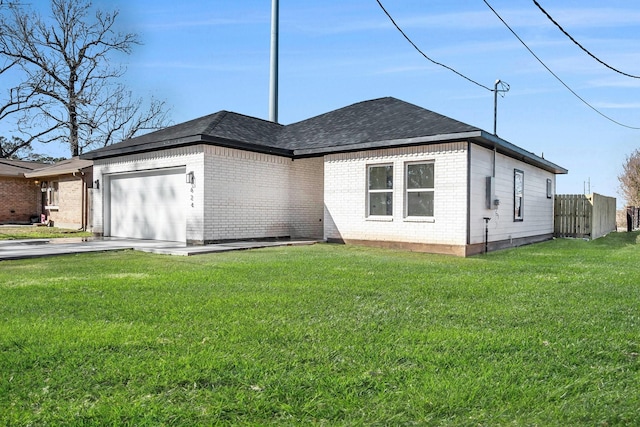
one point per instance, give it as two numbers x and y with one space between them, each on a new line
537 208
345 183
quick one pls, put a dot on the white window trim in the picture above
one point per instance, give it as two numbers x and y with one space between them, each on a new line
407 190
379 218
429 219
391 190
53 188
518 173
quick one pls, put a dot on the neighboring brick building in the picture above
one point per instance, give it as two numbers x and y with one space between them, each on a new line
381 172
64 192
19 196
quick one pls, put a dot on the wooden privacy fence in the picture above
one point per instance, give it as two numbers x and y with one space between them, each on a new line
633 218
584 216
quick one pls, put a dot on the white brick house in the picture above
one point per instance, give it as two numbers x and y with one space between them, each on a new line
381 172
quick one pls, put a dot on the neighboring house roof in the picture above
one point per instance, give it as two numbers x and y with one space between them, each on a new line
378 123
64 167
9 167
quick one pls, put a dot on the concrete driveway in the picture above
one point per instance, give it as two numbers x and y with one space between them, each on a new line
20 249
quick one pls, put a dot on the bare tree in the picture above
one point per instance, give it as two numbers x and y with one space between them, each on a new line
15 148
69 93
19 149
630 179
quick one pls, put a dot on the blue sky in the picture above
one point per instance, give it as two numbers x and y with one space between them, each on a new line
206 56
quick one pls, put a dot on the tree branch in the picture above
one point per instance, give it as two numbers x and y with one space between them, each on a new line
68 89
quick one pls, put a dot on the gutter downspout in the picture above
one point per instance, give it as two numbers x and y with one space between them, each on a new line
83 220
468 197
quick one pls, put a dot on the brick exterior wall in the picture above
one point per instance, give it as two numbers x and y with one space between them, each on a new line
20 200
68 211
306 188
236 195
191 158
345 183
244 195
253 195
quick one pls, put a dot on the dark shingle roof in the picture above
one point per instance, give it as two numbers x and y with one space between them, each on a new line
385 119
378 123
221 128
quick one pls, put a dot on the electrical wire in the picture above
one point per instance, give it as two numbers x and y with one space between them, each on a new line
554 74
425 55
582 47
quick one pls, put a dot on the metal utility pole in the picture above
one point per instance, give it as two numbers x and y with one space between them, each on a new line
273 82
495 107
505 89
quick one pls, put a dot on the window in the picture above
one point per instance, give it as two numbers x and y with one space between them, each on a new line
419 189
518 194
52 194
380 190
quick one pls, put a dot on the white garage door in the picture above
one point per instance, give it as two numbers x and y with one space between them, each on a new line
149 205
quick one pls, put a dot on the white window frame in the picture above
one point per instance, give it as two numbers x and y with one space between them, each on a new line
408 190
53 195
379 191
518 195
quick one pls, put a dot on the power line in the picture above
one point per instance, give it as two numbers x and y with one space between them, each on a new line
425 55
582 47
554 74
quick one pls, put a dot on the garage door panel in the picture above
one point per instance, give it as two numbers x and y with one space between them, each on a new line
149 205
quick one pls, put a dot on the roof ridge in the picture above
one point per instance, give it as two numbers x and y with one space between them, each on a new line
218 117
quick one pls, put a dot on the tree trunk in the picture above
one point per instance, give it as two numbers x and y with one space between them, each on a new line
73 131
73 115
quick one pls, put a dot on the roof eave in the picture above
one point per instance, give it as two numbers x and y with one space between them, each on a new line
372 145
55 172
60 169
18 169
115 151
12 174
479 137
240 145
489 140
183 142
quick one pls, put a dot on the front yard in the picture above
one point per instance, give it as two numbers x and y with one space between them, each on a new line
325 335
8 232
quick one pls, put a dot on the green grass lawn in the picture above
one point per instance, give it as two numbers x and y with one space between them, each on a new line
547 335
34 232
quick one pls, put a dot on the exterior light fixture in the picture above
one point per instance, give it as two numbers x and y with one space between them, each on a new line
96 184
190 177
